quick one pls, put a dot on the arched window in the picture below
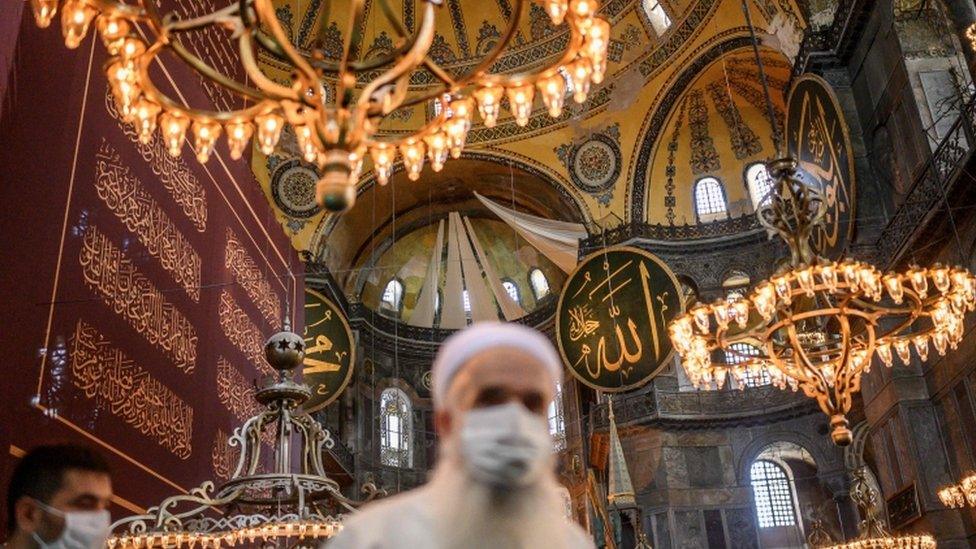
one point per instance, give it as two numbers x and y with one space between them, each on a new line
710 200
392 295
760 184
557 421
539 283
466 300
512 290
773 493
740 352
396 424
656 15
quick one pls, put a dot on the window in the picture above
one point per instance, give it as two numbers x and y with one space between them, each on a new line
539 283
709 200
773 493
512 289
557 421
760 185
741 353
392 295
467 302
656 15
395 429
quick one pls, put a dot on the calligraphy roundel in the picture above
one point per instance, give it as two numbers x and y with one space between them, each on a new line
330 351
613 315
818 139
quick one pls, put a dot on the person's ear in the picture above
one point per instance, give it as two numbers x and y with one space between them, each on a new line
443 423
27 515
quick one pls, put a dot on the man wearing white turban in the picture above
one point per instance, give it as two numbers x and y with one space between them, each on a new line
494 484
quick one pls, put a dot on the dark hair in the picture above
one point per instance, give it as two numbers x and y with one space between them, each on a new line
39 473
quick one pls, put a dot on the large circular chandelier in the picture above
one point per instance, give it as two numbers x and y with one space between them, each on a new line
817 324
265 502
336 134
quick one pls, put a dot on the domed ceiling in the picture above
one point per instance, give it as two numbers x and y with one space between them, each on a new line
600 163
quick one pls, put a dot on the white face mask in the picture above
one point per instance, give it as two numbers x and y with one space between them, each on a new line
505 445
82 529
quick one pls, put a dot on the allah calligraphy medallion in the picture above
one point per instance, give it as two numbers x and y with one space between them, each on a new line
330 352
613 315
818 138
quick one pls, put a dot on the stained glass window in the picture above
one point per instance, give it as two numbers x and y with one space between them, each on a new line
760 184
657 16
392 295
709 199
557 421
773 493
539 283
396 424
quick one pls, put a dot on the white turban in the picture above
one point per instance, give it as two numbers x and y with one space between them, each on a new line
461 347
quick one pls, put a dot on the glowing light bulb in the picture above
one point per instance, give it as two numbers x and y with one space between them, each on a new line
306 143
701 318
144 114
131 48
269 131
489 100
113 31
520 100
383 156
552 88
76 17
903 350
893 284
238 135
557 11
805 279
921 346
44 11
412 152
884 353
173 126
828 274
940 340
940 277
438 146
595 47
205 134
579 75
583 9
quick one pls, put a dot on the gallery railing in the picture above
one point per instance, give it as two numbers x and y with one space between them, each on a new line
716 229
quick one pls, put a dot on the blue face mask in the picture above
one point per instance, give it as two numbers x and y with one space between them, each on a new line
82 529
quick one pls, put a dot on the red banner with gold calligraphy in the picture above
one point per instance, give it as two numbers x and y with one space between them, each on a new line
137 289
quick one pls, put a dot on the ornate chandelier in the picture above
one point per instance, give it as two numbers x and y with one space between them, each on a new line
817 324
873 533
258 503
957 496
336 135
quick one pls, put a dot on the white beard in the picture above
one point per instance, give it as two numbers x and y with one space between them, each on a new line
474 514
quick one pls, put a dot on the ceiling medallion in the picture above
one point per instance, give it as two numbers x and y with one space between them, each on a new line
335 135
817 324
594 163
293 188
264 500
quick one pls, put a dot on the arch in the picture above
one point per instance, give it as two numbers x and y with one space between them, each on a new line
513 290
763 441
396 428
392 297
711 202
774 495
539 283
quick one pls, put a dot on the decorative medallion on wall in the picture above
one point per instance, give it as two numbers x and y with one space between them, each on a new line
594 162
612 318
293 188
330 351
818 138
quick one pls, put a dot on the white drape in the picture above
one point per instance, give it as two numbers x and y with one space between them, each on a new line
557 240
510 309
482 306
452 310
423 313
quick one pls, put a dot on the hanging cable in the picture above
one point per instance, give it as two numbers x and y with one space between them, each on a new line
777 134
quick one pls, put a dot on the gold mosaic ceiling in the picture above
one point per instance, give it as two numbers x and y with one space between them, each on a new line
608 155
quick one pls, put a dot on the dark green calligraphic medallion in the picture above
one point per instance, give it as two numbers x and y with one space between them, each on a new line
613 316
330 352
818 138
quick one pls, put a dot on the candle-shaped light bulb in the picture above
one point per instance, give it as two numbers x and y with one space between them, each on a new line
238 136
552 88
269 131
173 127
412 152
520 100
579 75
144 113
76 17
113 31
44 11
205 134
489 100
306 143
438 147
557 11
383 156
